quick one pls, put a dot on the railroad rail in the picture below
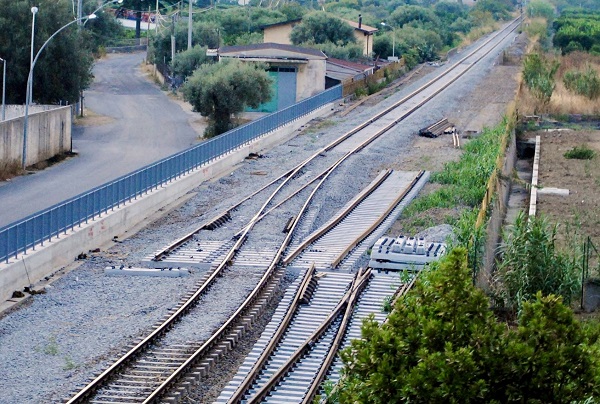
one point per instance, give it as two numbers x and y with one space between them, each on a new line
202 356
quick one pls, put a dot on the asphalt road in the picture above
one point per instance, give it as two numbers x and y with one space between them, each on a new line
131 124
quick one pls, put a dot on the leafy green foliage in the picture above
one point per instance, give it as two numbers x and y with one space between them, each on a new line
580 153
577 31
538 74
586 83
499 9
187 61
320 28
538 8
442 344
552 357
465 180
531 262
223 89
64 66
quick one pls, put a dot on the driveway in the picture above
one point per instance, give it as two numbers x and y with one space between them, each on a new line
131 123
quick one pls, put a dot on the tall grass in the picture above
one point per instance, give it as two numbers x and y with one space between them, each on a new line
564 101
464 181
531 262
9 170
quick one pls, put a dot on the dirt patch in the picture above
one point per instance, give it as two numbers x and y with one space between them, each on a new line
51 161
92 119
580 210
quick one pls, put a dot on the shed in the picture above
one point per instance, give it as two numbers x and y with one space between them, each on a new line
298 73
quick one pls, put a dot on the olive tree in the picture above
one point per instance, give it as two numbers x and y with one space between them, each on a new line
320 28
220 91
442 343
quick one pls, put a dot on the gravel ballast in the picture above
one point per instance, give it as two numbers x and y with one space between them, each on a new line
58 340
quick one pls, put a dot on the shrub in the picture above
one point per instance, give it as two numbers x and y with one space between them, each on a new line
586 83
531 262
580 153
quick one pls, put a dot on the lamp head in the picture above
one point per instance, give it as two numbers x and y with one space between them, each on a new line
34 10
384 24
91 16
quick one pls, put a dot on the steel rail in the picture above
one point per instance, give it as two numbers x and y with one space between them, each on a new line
296 220
357 201
347 301
399 293
97 382
336 142
378 222
333 351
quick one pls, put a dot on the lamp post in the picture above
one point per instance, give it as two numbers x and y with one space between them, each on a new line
34 11
3 89
30 83
393 37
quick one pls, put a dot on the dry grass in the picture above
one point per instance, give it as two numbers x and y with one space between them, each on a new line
563 101
477 33
9 170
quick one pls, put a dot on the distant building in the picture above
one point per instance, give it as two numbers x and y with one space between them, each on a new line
280 33
339 71
298 73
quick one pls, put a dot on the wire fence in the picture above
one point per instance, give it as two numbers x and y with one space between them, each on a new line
41 227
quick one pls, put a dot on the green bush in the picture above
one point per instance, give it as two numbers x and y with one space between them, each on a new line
442 344
531 262
586 83
580 153
538 74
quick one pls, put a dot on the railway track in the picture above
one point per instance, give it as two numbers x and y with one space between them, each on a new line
154 370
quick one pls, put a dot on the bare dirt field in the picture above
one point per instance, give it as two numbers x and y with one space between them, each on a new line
580 210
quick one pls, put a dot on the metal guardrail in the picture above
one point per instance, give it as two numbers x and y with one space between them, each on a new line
43 226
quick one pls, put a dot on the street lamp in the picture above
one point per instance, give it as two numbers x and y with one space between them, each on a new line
3 89
30 82
393 37
34 11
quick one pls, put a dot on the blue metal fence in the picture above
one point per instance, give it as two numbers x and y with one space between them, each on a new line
41 227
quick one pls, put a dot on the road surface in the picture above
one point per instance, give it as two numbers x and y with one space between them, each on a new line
131 124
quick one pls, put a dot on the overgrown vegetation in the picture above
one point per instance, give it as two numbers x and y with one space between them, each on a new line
531 262
580 153
586 83
443 344
538 75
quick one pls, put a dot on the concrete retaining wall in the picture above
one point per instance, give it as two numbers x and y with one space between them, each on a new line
498 208
35 265
48 133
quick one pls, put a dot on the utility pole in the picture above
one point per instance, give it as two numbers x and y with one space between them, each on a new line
173 38
190 27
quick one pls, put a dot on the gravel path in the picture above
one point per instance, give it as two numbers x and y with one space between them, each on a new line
59 339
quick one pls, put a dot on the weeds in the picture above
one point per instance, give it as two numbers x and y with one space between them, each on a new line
52 347
387 304
69 364
586 83
580 153
531 262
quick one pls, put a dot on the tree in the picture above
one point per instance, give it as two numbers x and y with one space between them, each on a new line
319 28
538 74
187 61
443 344
224 89
64 66
436 346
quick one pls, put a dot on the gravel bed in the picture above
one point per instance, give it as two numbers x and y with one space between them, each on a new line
61 338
